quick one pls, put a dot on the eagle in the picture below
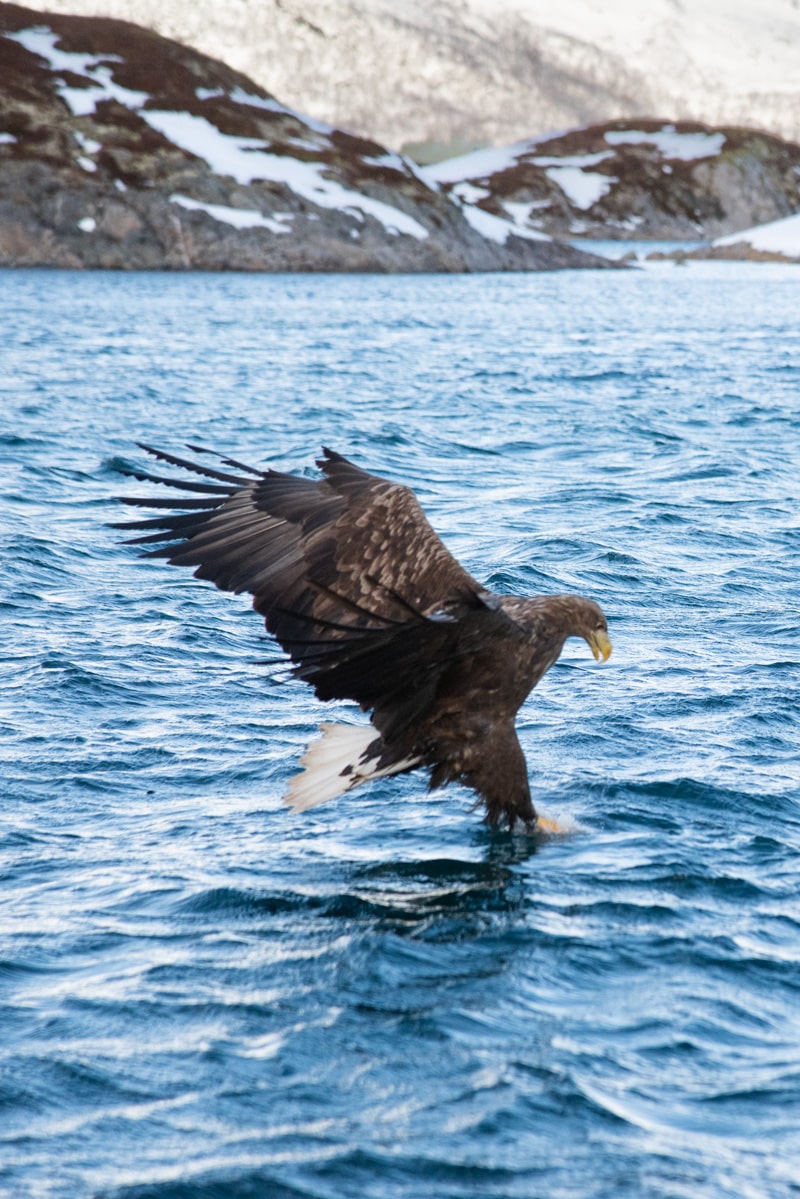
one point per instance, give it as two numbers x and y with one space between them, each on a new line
370 606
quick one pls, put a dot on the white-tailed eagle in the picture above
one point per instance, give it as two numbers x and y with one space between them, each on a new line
370 606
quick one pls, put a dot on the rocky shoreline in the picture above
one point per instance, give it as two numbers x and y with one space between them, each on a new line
122 149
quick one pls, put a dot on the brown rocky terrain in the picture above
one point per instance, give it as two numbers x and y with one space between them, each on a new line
641 179
123 149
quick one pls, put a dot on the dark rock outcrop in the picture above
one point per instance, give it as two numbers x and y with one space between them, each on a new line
122 149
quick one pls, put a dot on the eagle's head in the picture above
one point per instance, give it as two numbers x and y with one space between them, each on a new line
590 623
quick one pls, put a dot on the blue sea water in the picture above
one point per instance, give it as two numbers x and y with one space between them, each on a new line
203 994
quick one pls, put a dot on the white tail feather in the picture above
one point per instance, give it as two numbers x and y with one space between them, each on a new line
337 762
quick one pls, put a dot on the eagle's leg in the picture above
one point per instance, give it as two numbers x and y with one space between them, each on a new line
510 811
500 776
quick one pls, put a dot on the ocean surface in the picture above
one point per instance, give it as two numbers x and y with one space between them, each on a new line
203 994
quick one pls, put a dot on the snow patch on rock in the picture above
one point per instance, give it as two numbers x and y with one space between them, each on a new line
240 218
670 142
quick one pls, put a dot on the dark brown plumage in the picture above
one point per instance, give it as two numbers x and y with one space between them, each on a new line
370 606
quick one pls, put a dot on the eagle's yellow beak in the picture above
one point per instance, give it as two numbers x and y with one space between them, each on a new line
600 645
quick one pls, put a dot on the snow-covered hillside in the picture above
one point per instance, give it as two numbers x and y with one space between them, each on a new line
120 148
776 241
624 179
496 71
781 238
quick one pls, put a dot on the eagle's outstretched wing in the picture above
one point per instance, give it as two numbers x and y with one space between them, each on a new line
349 575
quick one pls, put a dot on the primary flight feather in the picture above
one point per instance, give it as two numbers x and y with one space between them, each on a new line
370 606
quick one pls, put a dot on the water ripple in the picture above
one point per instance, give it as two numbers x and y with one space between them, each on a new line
204 994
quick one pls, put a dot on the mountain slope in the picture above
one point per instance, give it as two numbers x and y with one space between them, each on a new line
497 71
119 148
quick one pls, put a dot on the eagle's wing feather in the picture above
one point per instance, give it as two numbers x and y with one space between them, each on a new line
346 571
